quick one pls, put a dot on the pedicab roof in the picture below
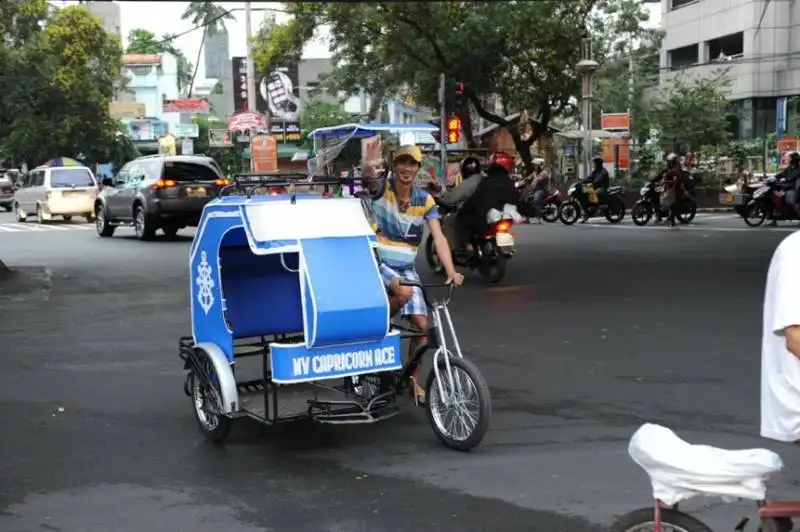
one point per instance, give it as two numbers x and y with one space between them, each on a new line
368 130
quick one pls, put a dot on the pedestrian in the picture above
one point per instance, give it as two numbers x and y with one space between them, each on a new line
780 345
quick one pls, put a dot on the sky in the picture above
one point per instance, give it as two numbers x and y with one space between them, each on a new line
165 17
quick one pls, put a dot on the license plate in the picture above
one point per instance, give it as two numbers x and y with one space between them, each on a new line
726 198
198 192
504 240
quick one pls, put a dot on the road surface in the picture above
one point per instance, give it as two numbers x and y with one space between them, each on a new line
596 330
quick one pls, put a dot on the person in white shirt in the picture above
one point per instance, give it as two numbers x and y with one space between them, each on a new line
780 345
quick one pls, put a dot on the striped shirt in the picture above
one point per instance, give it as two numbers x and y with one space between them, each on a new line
400 233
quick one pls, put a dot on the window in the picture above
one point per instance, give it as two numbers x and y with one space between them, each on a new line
71 177
38 178
683 57
680 3
141 70
726 47
186 171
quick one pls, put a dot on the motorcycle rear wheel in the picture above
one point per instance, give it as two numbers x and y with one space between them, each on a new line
687 214
493 263
641 213
550 212
615 212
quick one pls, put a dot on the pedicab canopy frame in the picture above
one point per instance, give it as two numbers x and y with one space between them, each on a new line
266 279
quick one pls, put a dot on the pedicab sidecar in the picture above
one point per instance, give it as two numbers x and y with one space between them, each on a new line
292 278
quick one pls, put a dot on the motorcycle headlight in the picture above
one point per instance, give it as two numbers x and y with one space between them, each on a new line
643 191
493 216
572 189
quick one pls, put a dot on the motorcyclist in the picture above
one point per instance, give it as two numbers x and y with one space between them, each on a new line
673 187
790 177
536 189
470 179
495 190
600 181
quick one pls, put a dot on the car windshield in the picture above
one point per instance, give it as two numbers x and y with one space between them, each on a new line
71 177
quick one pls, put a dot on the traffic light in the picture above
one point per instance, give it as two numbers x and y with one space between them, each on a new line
459 98
453 129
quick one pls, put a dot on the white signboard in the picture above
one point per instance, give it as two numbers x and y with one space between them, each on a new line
190 131
187 146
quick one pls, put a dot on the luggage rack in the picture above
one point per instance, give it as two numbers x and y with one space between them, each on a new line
248 184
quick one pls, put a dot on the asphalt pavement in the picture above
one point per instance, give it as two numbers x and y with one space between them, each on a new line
596 329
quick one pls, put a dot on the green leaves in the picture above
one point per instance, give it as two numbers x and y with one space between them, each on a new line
321 113
59 73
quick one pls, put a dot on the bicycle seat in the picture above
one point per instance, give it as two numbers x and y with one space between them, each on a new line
679 470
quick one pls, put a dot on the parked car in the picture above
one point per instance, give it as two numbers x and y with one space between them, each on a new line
7 186
64 191
166 192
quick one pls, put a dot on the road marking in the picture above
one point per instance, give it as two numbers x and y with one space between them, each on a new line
17 227
695 228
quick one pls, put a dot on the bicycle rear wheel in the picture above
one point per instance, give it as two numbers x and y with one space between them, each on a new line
641 520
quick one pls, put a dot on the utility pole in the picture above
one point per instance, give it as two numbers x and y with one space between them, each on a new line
443 123
251 68
586 68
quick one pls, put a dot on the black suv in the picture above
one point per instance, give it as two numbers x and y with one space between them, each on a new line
166 192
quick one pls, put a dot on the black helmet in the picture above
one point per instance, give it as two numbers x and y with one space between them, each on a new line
597 159
469 166
794 157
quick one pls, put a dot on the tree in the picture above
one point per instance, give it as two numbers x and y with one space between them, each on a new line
66 70
692 112
522 52
141 41
212 18
320 113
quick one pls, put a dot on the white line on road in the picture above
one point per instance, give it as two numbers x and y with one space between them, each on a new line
694 228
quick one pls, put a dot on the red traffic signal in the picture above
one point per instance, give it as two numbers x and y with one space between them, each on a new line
453 129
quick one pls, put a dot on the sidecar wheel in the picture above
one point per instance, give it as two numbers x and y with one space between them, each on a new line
207 402
642 519
471 393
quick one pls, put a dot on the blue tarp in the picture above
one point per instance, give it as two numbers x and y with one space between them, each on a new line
369 130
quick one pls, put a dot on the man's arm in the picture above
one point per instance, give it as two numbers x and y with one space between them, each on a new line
461 193
786 313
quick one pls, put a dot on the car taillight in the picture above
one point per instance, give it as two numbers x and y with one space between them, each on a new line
503 227
222 182
166 183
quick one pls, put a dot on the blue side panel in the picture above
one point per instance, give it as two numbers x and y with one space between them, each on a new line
205 280
294 363
349 302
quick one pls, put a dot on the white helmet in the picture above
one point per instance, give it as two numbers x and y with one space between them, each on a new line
538 161
672 157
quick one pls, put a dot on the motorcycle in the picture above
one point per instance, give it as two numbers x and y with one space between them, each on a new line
490 250
648 202
549 208
582 200
768 201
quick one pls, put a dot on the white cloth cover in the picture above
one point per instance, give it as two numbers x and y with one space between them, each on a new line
679 470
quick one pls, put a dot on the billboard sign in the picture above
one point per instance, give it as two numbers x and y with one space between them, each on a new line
615 121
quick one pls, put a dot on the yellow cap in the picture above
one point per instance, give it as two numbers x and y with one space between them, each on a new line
410 151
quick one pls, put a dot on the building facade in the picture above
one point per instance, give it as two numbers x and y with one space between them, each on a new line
109 13
152 79
754 40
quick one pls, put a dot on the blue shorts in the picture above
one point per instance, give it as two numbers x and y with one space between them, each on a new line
416 305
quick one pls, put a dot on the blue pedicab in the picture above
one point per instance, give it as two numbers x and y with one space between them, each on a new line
266 280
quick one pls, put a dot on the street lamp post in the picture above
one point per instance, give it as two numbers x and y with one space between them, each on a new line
586 67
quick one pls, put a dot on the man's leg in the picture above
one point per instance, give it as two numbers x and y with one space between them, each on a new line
416 311
538 202
399 295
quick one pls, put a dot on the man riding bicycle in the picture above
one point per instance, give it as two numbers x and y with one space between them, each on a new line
401 211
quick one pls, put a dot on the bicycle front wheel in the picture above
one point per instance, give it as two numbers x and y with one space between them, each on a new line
459 411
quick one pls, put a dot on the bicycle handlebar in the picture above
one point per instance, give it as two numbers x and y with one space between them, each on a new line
424 287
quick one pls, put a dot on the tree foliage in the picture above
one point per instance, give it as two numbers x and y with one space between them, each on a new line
692 112
523 52
322 113
141 41
59 72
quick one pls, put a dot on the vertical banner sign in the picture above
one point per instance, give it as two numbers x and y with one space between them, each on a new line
617 146
264 154
239 83
780 116
187 146
786 146
278 93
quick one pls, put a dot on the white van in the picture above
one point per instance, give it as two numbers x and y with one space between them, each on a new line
64 191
